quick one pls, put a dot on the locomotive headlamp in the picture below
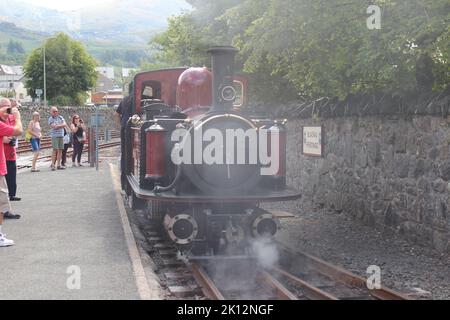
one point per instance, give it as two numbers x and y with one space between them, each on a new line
228 94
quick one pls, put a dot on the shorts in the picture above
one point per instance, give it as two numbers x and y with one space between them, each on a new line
4 196
57 143
35 144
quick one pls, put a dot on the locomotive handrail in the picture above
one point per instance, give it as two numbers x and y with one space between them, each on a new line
159 189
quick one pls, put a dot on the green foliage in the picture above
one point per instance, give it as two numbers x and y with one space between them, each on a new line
8 94
181 44
70 69
14 59
319 48
15 47
126 58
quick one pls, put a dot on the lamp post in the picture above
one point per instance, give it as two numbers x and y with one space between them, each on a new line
45 81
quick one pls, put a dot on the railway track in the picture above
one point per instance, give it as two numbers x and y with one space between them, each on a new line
46 142
69 153
298 276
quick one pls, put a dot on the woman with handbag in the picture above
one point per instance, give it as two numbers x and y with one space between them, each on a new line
67 143
34 131
79 137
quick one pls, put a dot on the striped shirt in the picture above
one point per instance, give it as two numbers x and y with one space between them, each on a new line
58 120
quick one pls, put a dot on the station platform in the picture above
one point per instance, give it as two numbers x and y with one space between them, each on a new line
73 240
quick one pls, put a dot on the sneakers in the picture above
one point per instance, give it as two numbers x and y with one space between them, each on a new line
10 215
5 242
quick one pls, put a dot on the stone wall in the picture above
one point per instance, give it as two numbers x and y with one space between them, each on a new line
390 169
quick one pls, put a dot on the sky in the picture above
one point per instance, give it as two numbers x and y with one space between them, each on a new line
64 5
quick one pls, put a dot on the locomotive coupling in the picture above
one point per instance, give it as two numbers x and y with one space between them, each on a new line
264 225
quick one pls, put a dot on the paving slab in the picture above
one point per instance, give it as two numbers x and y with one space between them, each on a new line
70 226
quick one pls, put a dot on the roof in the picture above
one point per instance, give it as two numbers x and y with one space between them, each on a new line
17 70
11 70
114 96
4 69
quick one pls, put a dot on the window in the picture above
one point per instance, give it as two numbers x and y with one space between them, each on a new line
148 91
151 90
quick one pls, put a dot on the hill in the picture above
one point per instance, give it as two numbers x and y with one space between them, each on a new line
115 33
116 20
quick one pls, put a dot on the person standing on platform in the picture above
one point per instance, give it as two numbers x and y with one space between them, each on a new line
123 113
9 146
78 138
6 131
67 143
57 123
34 127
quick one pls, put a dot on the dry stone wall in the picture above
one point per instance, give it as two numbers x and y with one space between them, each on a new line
385 163
67 112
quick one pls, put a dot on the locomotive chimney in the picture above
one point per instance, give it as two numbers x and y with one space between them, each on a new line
224 93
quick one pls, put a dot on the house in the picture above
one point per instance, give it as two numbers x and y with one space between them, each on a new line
106 71
12 83
5 70
109 98
103 84
126 72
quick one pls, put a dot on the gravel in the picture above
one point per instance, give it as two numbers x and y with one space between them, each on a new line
336 238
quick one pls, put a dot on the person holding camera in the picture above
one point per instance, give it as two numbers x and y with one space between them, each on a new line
79 137
9 146
6 130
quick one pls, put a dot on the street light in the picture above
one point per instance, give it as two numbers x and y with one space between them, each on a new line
45 81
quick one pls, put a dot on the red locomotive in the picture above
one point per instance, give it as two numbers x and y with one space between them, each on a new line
197 164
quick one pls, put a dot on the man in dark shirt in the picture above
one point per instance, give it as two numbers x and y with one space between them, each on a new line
123 113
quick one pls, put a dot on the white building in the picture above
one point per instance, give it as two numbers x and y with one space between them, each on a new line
127 71
12 83
106 71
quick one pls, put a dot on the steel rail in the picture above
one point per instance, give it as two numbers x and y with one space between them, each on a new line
311 291
48 158
281 291
345 277
206 284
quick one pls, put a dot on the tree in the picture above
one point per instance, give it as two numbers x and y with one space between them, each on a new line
181 44
322 47
14 47
70 70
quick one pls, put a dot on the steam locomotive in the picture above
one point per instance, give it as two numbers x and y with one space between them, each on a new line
199 166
